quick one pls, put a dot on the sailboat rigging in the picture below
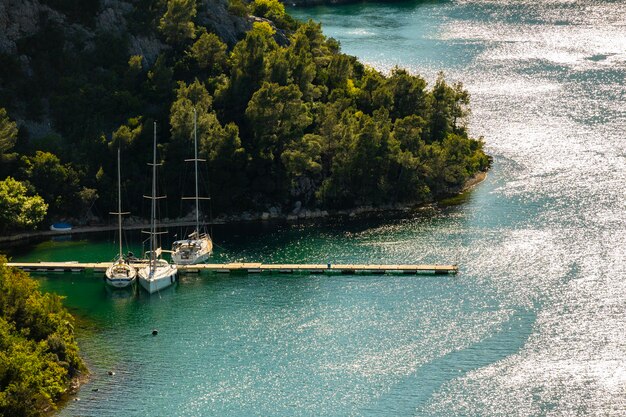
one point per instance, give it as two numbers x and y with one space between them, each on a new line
121 274
158 274
198 246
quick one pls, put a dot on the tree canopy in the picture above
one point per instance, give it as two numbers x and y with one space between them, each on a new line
177 22
8 132
279 108
18 209
38 351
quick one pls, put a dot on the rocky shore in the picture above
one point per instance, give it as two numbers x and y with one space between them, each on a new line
295 214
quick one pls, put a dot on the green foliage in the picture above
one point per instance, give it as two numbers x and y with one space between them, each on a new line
303 157
8 132
237 8
248 71
18 210
127 134
177 23
38 352
408 131
56 182
189 98
359 167
134 71
227 161
52 143
282 115
83 11
209 52
450 106
135 64
272 10
338 72
302 70
263 28
276 115
160 80
374 92
408 94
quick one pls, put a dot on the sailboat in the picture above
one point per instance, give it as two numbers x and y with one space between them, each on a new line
158 274
121 274
198 246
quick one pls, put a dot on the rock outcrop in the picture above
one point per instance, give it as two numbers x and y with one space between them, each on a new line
22 18
214 15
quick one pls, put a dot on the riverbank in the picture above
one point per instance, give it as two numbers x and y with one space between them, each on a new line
297 214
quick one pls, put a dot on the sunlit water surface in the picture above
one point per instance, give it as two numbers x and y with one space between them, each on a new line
532 325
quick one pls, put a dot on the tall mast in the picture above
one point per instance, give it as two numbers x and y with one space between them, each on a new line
119 200
119 213
195 144
153 242
153 214
195 161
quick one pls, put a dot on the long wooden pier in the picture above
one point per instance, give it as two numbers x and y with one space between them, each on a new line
74 266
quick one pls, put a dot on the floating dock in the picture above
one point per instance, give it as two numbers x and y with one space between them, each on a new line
254 268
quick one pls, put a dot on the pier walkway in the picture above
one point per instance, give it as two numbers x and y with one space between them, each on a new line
73 266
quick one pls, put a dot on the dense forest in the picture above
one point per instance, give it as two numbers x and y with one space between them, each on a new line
283 116
38 352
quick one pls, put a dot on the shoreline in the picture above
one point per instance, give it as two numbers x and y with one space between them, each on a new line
85 376
293 216
315 3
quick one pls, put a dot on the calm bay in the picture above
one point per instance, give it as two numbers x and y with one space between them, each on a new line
533 323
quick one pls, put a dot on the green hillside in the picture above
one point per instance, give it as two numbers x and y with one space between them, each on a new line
38 351
283 115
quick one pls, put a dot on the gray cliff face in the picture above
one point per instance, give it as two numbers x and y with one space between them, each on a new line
214 15
112 15
20 19
112 18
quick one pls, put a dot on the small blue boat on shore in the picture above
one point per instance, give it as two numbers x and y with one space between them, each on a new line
61 227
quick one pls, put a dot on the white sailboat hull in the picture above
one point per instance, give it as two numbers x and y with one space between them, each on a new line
191 251
158 274
120 275
156 279
198 246
119 282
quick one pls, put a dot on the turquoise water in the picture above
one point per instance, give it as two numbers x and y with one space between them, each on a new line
532 325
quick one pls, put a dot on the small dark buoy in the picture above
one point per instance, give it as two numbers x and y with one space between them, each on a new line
155 332
111 373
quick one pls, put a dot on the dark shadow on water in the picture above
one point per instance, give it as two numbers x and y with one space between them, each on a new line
62 238
120 293
350 7
456 200
411 395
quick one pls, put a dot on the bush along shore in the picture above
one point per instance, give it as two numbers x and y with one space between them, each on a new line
283 116
296 214
39 362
